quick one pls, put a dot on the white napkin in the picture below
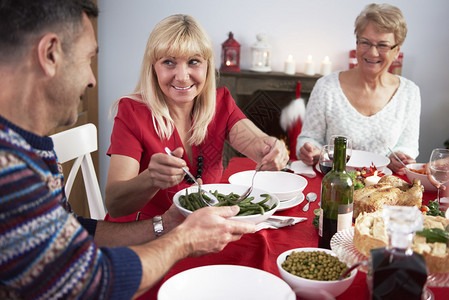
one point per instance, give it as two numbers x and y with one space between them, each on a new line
301 168
275 222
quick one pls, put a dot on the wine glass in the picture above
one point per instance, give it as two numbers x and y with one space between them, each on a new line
325 161
439 167
348 145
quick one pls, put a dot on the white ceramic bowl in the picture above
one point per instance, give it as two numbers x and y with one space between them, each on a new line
428 186
313 289
360 159
224 282
226 189
284 185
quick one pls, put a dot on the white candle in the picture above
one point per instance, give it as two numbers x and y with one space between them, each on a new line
371 180
289 66
310 66
326 66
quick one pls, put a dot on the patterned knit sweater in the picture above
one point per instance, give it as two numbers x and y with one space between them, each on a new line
45 253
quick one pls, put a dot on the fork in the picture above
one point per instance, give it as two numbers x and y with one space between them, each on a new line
213 199
397 158
250 189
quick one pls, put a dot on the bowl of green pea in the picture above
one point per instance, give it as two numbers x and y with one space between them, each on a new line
313 272
258 207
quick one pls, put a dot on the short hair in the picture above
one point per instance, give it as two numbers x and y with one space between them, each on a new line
177 35
21 21
385 18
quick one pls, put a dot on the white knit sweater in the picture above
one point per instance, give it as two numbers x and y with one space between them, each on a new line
396 126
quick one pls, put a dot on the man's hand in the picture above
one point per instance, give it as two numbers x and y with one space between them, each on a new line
209 230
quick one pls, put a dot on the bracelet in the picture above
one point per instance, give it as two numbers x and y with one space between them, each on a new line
158 226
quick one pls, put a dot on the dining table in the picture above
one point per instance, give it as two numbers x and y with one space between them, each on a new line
260 249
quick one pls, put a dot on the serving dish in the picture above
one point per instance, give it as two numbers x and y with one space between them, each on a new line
428 186
226 189
313 289
343 246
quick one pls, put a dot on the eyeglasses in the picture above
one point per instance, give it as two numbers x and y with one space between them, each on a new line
365 45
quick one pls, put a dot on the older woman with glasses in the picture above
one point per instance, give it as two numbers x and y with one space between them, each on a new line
377 109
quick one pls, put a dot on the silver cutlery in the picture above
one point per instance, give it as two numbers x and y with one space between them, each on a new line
310 198
213 199
397 158
250 189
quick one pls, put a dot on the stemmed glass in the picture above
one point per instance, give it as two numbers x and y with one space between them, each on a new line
439 167
348 145
325 161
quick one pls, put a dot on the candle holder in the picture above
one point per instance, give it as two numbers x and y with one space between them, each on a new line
230 55
261 54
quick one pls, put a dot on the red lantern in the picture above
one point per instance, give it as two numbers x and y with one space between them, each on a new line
230 55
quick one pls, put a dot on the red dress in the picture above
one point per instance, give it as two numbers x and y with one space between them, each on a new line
134 135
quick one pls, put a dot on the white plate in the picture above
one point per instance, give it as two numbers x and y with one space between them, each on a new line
283 205
224 282
360 159
282 184
386 170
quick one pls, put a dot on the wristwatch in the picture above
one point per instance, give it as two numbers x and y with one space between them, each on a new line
158 226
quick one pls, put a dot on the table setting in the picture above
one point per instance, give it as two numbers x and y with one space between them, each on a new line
288 227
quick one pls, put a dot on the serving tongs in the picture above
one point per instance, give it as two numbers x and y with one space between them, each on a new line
212 199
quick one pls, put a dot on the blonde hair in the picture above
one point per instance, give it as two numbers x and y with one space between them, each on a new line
385 18
177 35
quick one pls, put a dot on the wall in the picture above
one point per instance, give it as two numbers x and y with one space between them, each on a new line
298 27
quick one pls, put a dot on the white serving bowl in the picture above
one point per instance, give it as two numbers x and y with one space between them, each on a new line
225 188
284 185
428 186
313 289
360 159
225 282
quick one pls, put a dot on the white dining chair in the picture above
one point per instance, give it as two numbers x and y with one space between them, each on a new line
78 143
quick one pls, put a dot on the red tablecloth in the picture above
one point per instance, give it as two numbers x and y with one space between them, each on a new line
260 250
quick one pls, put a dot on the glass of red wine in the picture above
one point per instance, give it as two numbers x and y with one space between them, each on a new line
325 161
348 145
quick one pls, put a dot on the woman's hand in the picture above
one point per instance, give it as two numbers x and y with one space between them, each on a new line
396 165
165 170
274 154
309 154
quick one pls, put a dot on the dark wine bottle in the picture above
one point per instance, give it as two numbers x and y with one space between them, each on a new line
396 271
336 197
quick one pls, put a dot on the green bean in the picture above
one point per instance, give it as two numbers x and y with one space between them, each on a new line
193 202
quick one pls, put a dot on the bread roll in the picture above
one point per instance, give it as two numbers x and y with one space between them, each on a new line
370 233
